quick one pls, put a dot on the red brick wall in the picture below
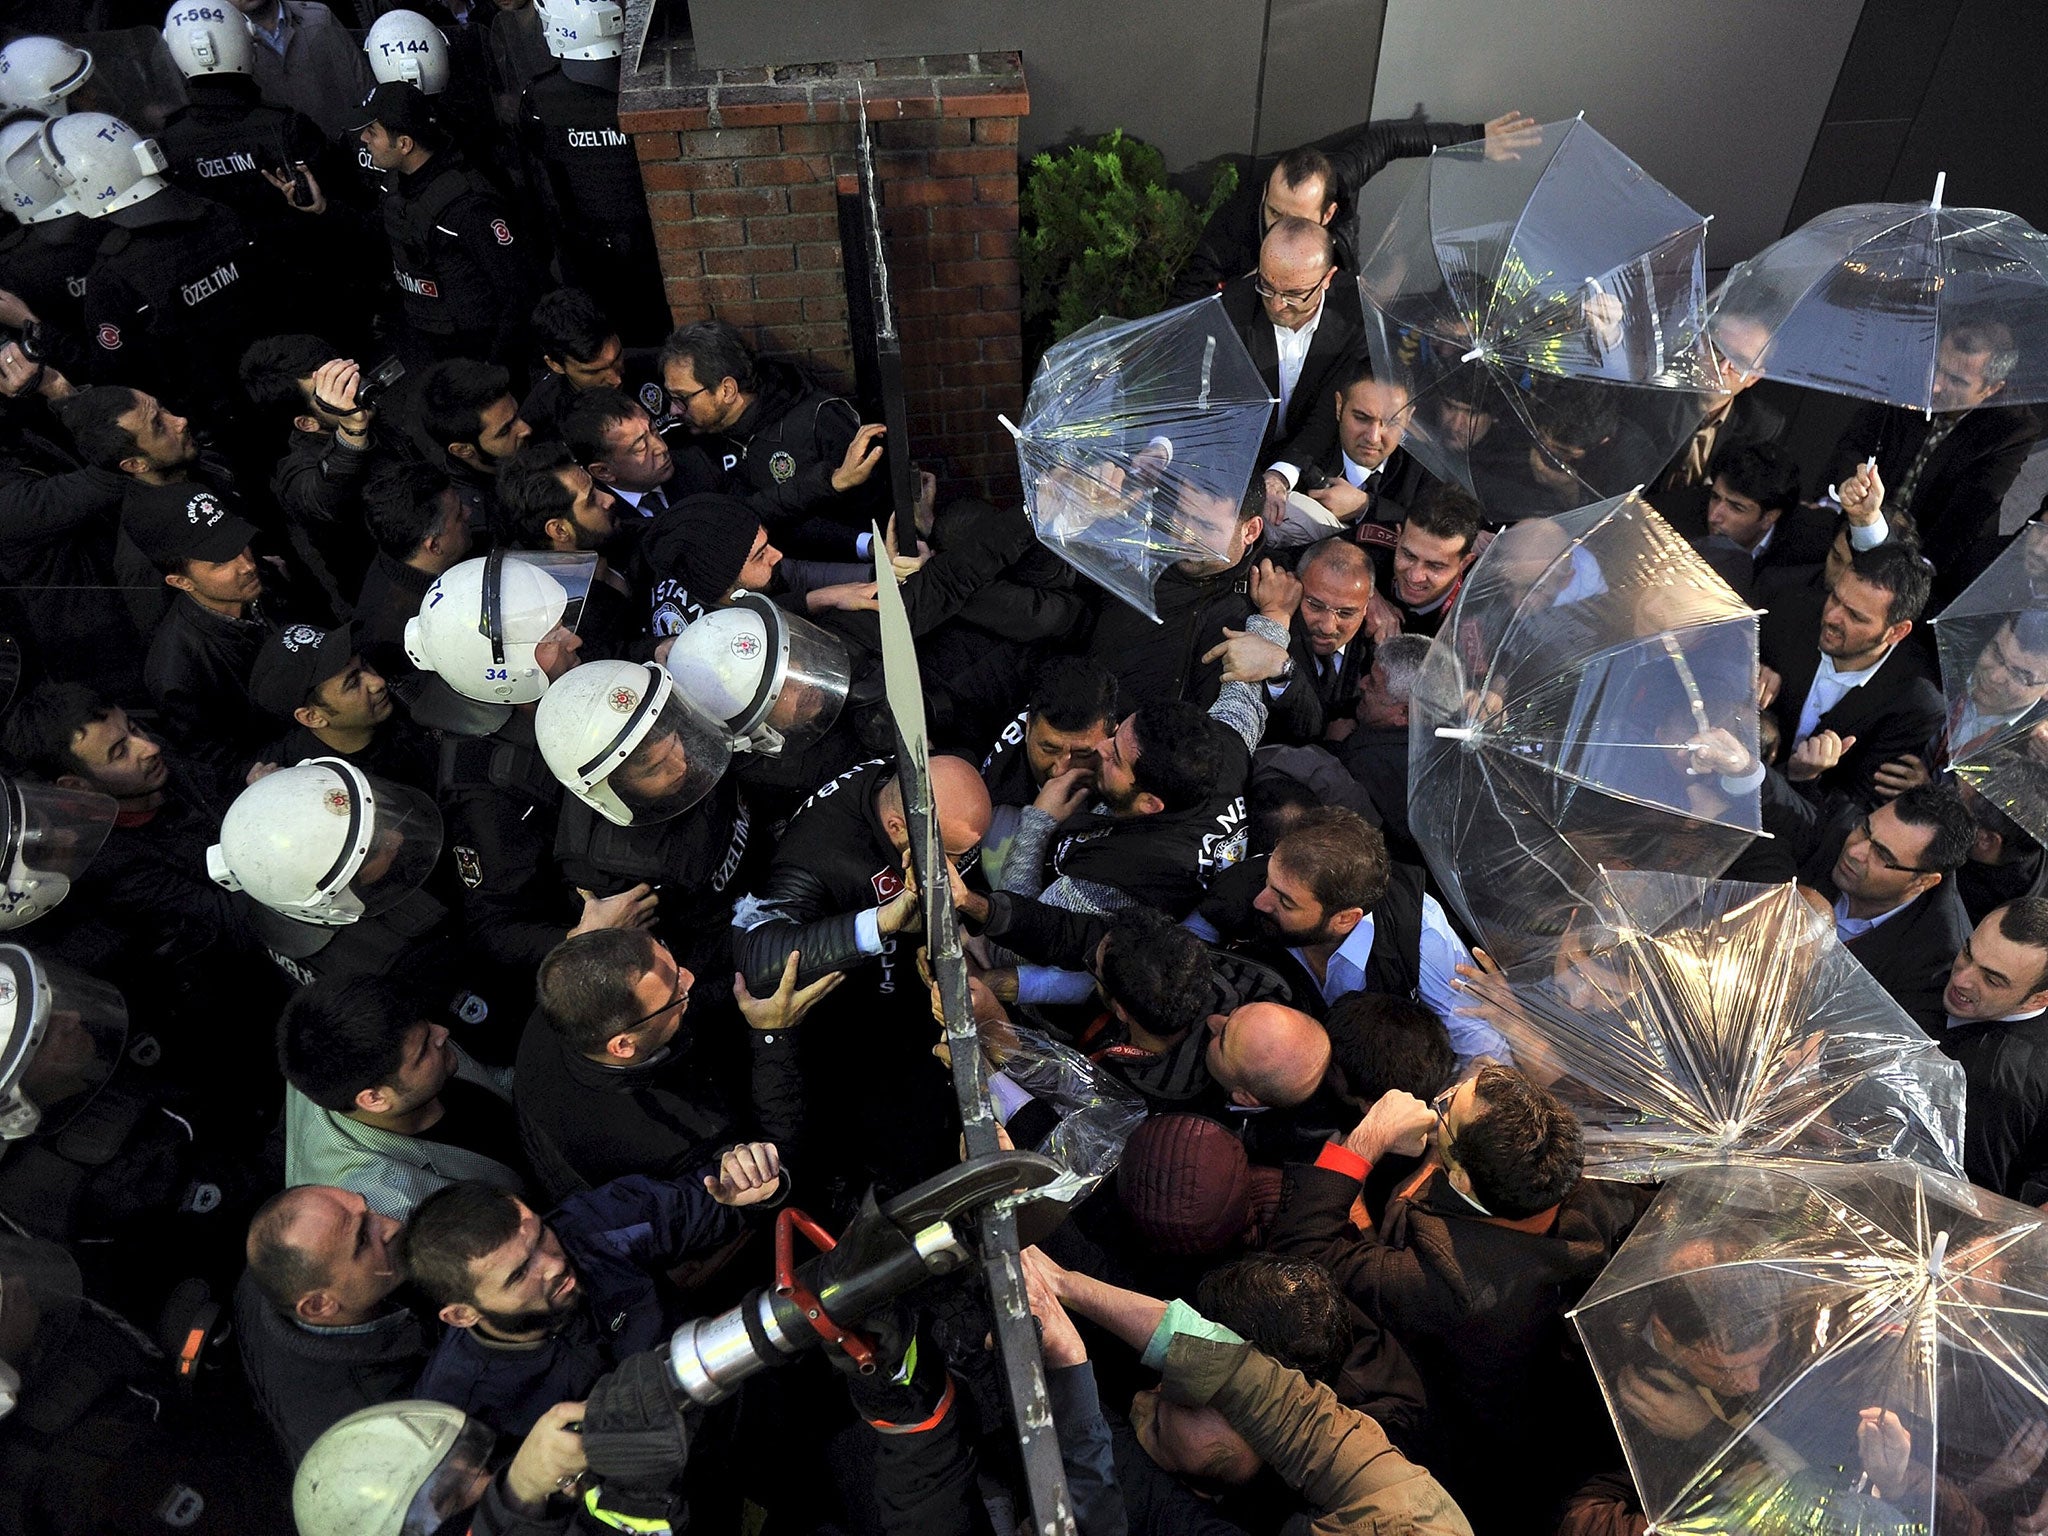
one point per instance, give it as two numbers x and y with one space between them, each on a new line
742 169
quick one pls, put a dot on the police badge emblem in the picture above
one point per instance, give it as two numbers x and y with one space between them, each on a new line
781 466
469 866
654 399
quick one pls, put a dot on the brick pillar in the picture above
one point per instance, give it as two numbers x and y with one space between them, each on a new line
742 169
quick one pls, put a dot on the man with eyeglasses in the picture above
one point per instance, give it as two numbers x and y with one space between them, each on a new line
2007 689
1473 1265
610 1080
1299 326
1324 645
1888 878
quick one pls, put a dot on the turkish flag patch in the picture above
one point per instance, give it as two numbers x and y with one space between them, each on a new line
502 230
109 336
888 884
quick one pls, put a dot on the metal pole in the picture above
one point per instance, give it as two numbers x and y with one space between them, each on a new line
1015 1330
888 353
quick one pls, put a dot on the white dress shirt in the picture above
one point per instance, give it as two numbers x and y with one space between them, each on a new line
1829 686
1292 347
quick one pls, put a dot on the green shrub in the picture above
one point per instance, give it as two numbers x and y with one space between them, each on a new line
1103 234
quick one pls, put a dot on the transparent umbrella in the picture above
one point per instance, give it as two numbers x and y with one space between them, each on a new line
1827 1349
1139 440
1993 641
1546 316
1870 300
1688 1021
1590 703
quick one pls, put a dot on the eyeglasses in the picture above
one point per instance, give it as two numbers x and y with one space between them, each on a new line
1883 854
1996 652
1317 605
1298 298
681 397
682 996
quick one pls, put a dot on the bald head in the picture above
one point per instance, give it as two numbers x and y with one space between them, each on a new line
323 1256
1296 262
961 798
1268 1055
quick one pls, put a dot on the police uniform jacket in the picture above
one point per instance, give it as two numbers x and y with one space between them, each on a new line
47 264
780 455
693 860
1006 771
622 1237
500 808
462 276
172 305
1156 663
222 141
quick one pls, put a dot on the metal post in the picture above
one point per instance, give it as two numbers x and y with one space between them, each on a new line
1015 1330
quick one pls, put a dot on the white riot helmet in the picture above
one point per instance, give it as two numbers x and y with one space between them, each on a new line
481 621
399 1469
776 681
583 29
32 193
326 843
405 46
62 1033
48 835
627 744
209 39
102 163
40 72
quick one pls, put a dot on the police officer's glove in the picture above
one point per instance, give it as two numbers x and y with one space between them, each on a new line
636 1442
908 1388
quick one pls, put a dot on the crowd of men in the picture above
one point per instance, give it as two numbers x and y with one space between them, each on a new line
448 776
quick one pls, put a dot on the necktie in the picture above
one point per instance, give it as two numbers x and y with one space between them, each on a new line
654 501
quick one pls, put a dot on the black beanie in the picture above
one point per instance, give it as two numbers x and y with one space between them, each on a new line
704 541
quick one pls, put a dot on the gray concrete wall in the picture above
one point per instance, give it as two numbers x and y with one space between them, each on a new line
1719 99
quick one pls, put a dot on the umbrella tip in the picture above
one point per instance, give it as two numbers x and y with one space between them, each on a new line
1940 181
1456 732
1474 355
1936 1255
1014 430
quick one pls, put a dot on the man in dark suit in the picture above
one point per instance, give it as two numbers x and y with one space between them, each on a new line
1847 695
1996 1006
1751 501
1949 471
1889 875
1363 476
1316 182
1421 563
1325 644
1735 415
1299 327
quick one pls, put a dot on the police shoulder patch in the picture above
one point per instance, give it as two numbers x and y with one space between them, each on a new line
502 231
109 336
781 466
469 866
653 398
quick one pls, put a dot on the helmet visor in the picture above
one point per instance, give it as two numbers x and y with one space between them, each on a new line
529 595
52 835
806 681
675 764
404 843
62 1033
455 1485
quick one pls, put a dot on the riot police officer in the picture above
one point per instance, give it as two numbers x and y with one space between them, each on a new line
491 635
40 73
465 283
175 293
650 803
587 169
333 865
47 258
